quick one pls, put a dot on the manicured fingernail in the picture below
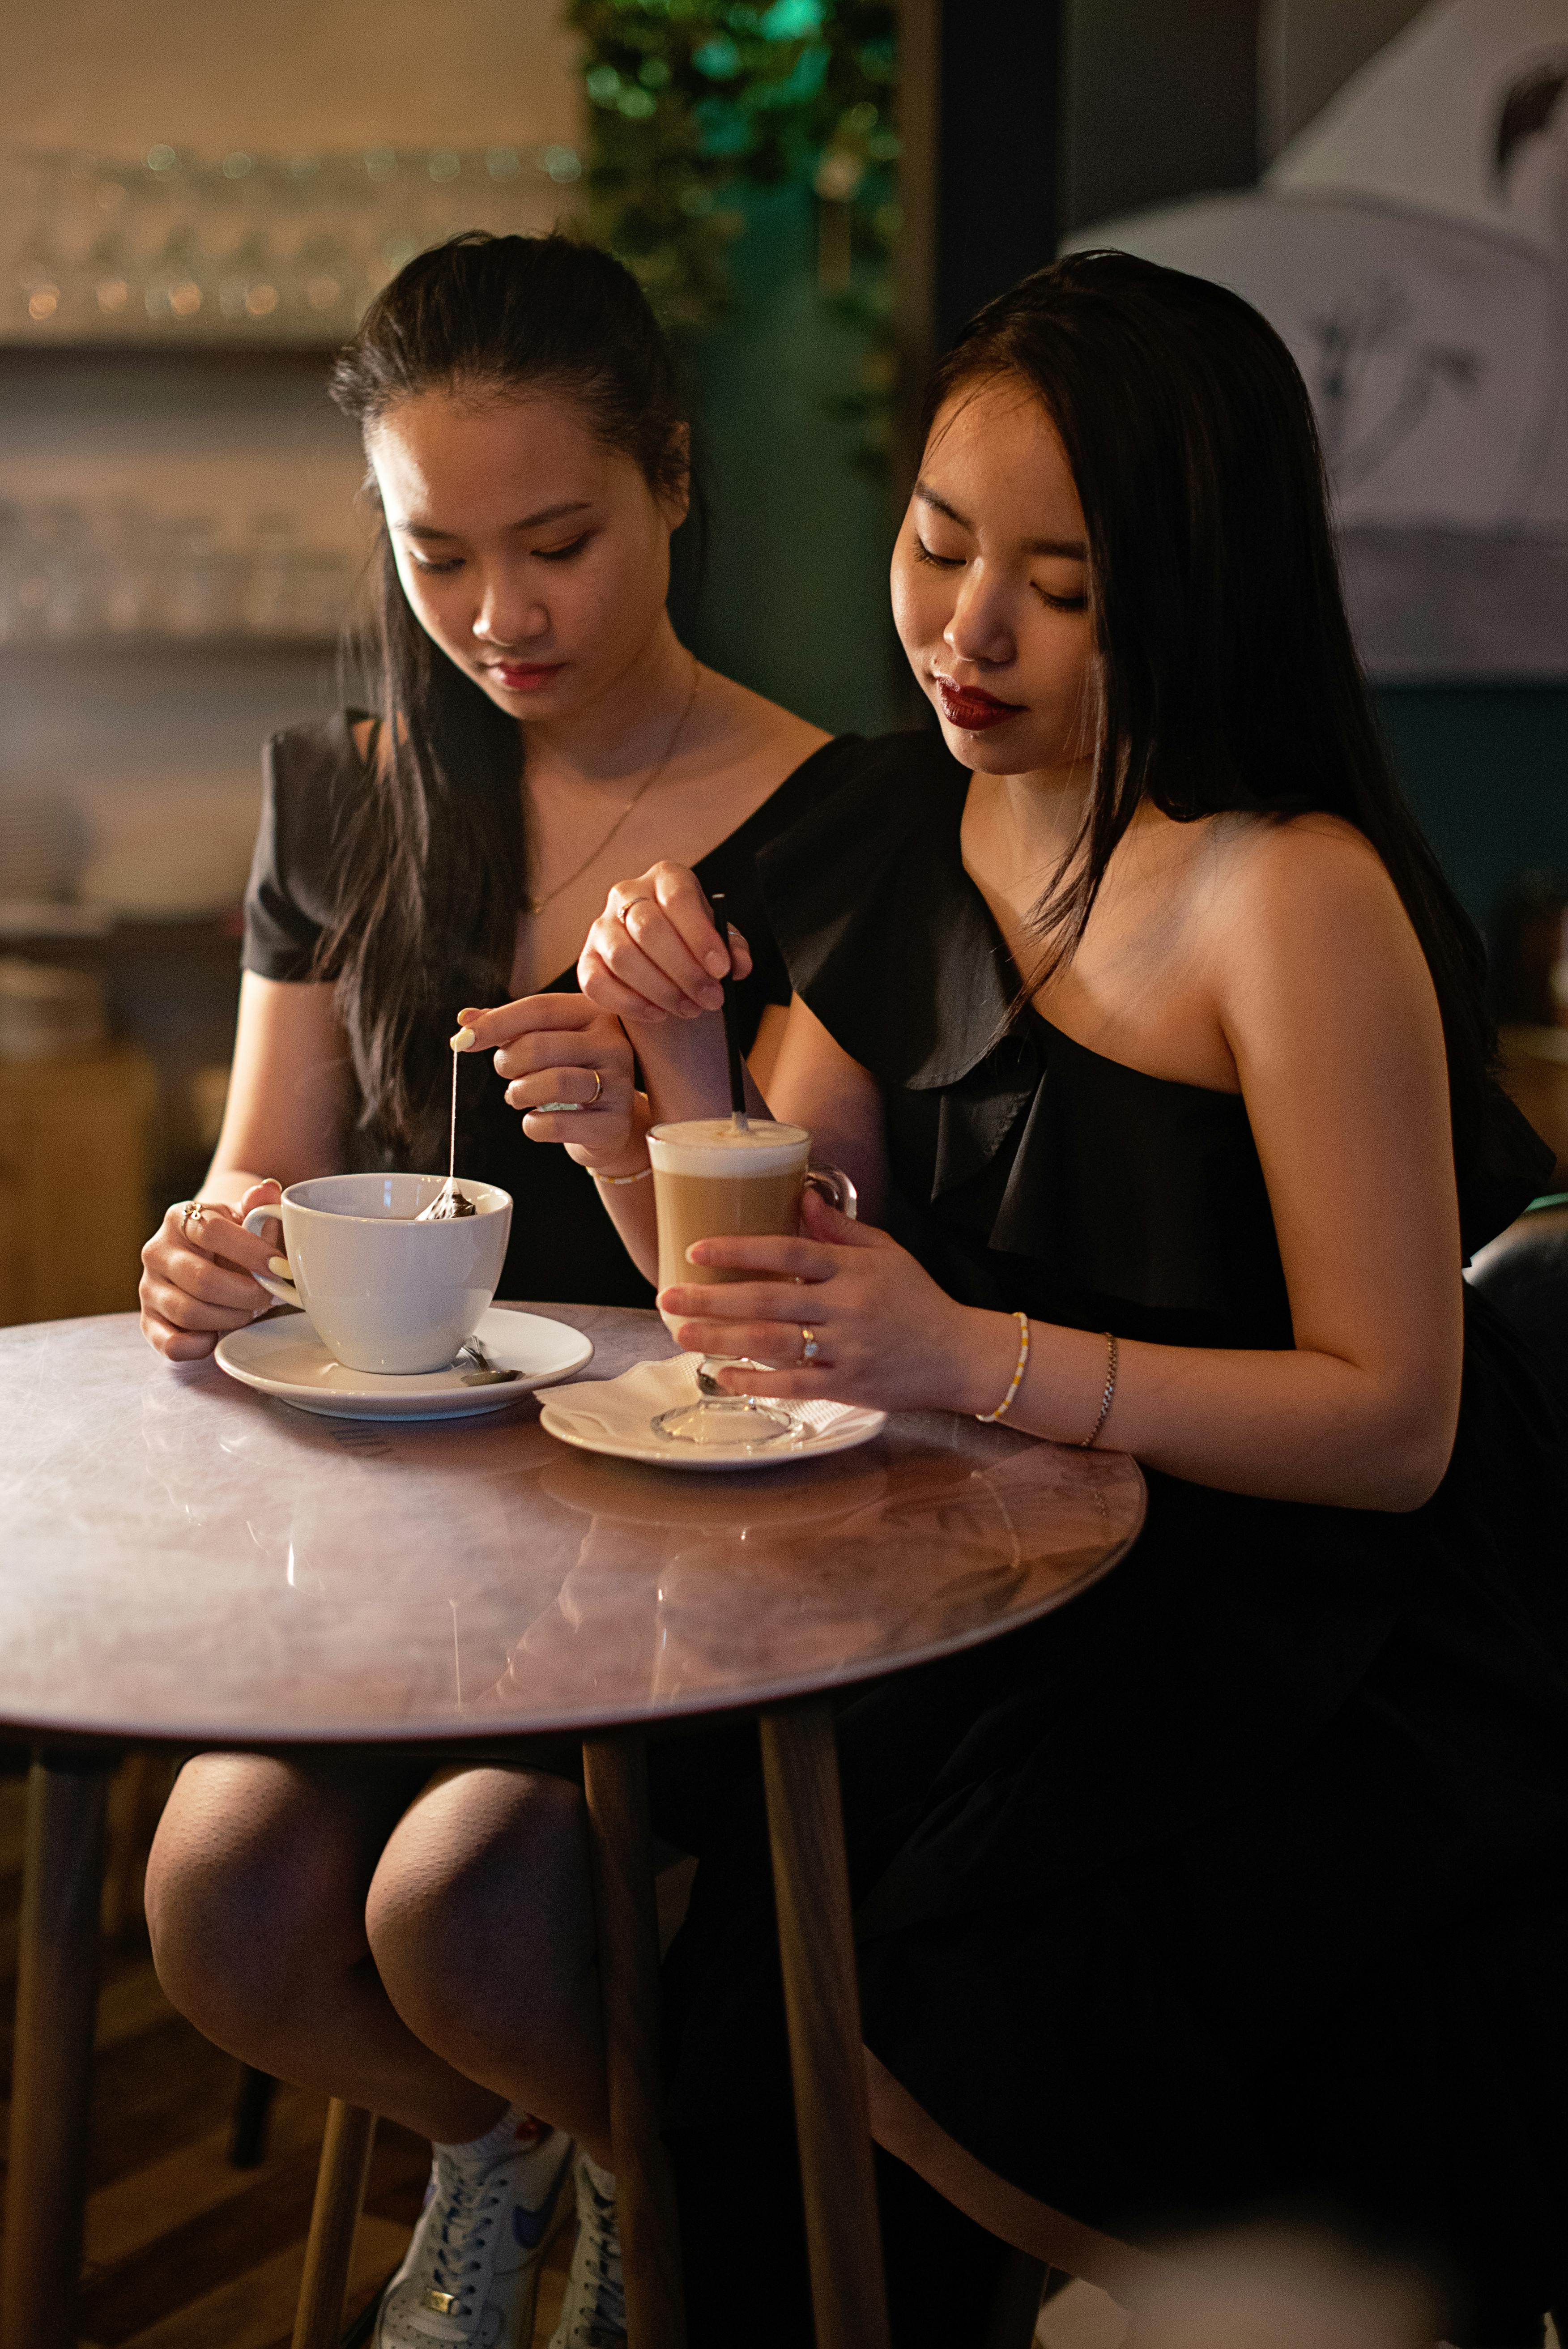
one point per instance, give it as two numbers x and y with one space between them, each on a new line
464 1040
280 1267
718 963
713 999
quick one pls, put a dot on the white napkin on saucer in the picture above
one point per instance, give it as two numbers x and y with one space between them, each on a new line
624 1408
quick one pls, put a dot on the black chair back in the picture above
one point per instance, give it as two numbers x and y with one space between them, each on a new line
1524 1273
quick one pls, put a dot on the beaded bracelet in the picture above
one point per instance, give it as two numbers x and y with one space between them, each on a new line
985 1417
616 1181
1087 1442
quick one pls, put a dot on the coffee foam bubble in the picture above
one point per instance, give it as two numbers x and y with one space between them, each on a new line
711 1147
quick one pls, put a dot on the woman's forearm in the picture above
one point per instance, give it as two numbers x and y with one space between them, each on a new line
625 1189
1294 1425
227 1186
686 1068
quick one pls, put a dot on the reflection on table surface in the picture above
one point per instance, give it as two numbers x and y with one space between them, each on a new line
181 1556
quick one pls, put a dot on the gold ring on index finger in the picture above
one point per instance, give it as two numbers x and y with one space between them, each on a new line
191 1207
623 911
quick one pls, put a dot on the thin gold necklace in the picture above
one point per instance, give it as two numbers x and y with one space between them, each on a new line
538 905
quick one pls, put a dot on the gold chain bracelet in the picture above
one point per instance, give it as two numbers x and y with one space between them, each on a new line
1092 1438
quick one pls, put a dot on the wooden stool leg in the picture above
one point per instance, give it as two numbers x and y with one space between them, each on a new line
252 2110
339 2192
136 1800
51 2090
616 1781
821 2001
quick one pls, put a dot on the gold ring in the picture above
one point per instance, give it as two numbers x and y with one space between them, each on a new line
808 1348
627 908
191 1207
598 1089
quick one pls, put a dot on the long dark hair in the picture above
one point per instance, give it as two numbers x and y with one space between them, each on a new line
1227 676
433 859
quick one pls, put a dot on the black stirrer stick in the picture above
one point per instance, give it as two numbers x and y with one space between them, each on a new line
742 1123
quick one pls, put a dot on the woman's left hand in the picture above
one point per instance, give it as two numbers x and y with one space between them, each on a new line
886 1335
569 1070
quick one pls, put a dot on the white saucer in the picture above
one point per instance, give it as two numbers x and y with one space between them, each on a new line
613 1417
283 1356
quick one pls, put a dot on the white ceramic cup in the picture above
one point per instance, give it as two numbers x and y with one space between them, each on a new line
386 1293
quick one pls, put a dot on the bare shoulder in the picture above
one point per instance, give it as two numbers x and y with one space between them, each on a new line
1299 880
1310 936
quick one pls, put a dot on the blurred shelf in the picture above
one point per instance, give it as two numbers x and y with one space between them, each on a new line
213 355
80 934
139 647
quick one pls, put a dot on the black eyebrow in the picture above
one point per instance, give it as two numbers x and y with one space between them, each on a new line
1072 549
529 521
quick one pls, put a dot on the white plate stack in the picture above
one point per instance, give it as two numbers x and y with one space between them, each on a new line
40 848
168 850
48 1014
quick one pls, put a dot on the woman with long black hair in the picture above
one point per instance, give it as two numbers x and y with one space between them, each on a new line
540 722
1140 1013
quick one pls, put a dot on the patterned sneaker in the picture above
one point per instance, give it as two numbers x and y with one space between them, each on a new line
471 2275
593 2312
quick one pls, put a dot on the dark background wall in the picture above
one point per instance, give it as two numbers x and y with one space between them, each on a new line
1158 99
1065 112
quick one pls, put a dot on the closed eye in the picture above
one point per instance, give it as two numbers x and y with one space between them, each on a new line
424 563
563 553
924 553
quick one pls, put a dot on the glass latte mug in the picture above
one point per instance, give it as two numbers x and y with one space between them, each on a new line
712 1181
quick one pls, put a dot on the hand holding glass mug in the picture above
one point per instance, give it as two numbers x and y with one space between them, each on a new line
866 1324
732 1177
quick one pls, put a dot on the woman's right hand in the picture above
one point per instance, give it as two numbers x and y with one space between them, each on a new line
196 1280
653 953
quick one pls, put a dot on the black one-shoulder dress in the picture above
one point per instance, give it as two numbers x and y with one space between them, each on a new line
1242 1882
563 1243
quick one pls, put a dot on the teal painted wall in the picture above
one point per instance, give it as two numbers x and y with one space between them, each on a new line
794 599
1486 768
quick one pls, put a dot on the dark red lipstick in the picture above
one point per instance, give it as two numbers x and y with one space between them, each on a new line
968 706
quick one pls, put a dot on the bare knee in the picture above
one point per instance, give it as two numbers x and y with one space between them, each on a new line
251 1895
479 1915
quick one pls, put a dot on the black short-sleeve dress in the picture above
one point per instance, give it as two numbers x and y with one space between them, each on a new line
564 1246
1244 1880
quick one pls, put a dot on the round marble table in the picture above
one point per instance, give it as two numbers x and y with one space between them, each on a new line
183 1560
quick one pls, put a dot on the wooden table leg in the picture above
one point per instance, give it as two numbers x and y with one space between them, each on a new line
51 2085
821 2001
616 1781
346 2148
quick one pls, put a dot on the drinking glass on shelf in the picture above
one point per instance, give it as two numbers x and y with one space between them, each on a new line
266 594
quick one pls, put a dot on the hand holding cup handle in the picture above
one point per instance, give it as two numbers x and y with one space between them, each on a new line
277 1278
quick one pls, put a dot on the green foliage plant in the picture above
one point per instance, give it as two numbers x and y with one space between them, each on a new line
694 103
